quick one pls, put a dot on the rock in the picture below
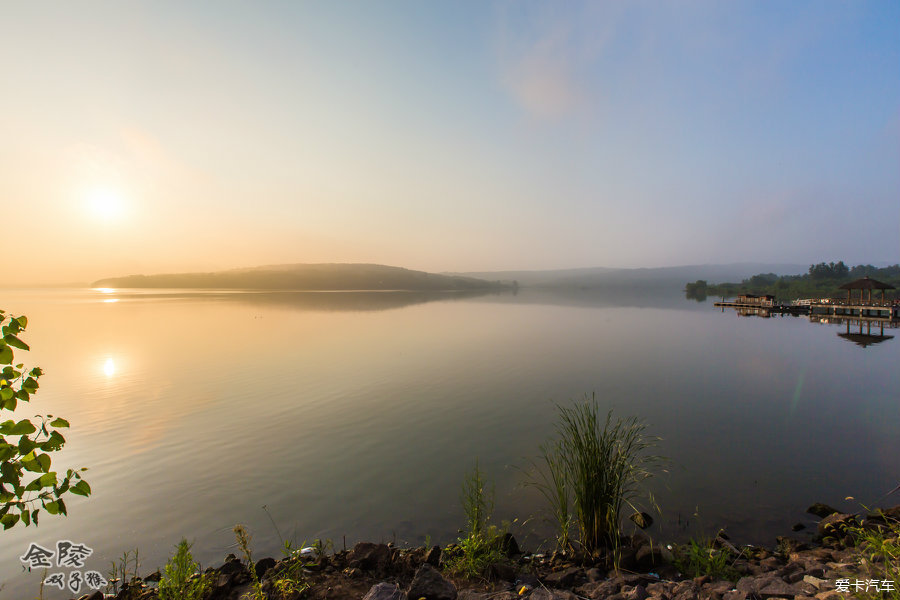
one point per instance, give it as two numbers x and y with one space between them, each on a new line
602 589
545 594
433 557
369 556
778 588
815 581
821 510
594 574
232 565
788 545
154 576
429 584
96 595
648 557
638 593
385 591
501 571
563 579
884 516
798 527
829 595
836 524
474 595
509 546
263 565
642 519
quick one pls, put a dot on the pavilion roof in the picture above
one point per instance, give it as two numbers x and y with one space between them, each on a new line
866 283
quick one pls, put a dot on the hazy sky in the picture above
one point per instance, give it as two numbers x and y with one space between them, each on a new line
143 137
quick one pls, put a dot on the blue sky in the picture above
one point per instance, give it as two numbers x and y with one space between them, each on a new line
167 136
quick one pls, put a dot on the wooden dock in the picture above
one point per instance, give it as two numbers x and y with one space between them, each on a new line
869 311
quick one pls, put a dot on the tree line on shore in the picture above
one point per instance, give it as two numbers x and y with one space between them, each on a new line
823 280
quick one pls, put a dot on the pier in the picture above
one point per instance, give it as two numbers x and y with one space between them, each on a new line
862 307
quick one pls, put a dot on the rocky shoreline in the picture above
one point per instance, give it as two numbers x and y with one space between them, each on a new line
831 567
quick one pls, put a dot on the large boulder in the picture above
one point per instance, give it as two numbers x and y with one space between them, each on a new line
369 556
429 584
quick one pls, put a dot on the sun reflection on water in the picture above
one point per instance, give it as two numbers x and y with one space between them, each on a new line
109 367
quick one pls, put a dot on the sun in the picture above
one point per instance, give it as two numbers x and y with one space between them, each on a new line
105 204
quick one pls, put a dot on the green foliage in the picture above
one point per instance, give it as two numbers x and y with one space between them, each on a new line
118 572
243 539
24 446
699 558
481 545
477 503
880 545
591 471
181 579
822 280
290 581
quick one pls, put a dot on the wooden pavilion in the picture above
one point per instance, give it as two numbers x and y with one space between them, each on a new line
866 284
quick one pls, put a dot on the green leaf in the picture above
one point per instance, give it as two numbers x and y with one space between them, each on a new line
26 517
34 516
23 427
7 394
52 508
54 442
44 460
6 354
23 321
30 385
10 473
59 422
15 342
62 506
81 488
8 520
7 451
26 445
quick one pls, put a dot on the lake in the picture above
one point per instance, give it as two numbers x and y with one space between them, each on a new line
356 416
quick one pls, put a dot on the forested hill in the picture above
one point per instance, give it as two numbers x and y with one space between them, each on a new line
821 281
306 277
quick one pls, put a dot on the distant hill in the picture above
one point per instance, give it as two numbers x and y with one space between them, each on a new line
603 277
307 277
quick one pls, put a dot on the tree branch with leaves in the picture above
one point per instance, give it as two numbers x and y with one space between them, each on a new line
27 485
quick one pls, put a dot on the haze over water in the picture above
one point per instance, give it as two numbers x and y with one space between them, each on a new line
360 417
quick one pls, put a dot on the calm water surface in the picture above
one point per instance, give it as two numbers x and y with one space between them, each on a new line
358 415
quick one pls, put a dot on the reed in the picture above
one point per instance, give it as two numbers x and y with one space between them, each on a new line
592 471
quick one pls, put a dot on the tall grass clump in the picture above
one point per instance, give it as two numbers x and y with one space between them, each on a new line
480 546
879 542
181 579
591 472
